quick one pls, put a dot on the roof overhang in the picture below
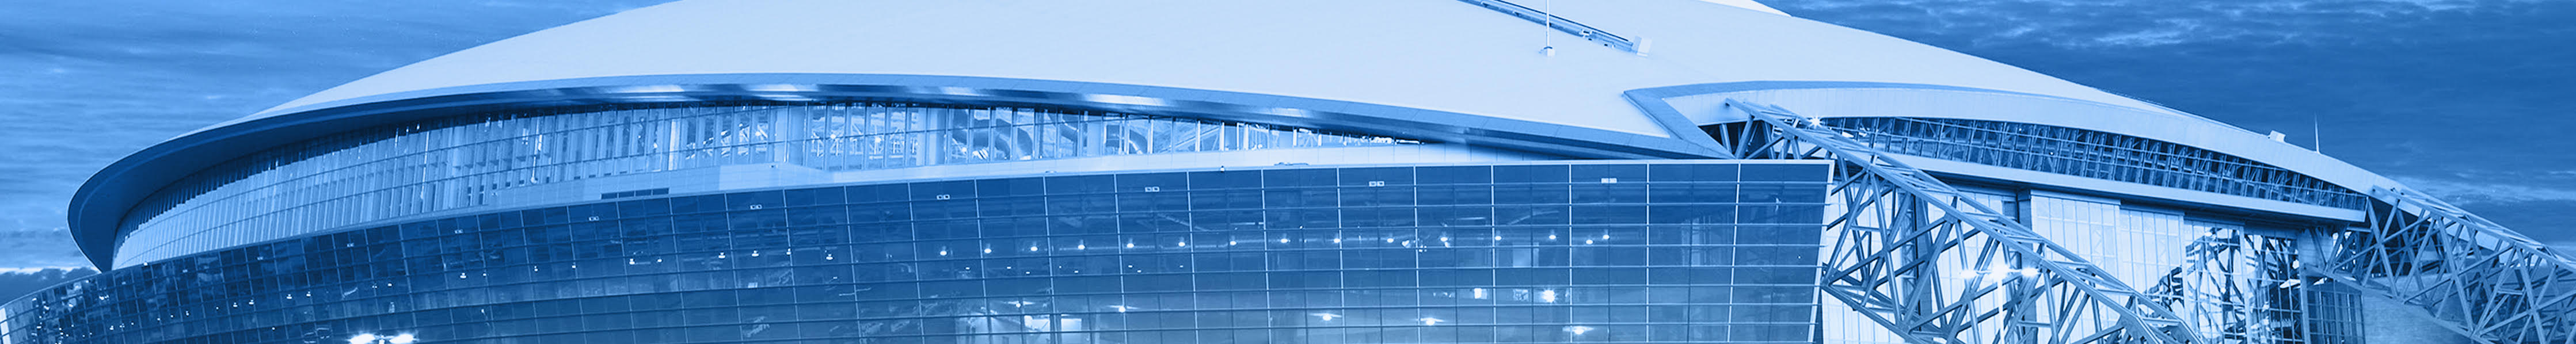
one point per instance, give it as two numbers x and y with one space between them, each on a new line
99 208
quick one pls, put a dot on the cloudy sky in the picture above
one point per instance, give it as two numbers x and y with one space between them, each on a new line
2471 100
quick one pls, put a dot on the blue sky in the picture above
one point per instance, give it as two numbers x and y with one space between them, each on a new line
2471 100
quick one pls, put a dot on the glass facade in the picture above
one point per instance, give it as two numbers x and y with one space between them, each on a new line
1546 252
488 160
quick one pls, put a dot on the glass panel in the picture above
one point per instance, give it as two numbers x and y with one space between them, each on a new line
1200 256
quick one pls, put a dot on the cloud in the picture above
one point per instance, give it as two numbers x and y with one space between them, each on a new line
2106 23
21 250
91 81
2467 99
39 269
2479 192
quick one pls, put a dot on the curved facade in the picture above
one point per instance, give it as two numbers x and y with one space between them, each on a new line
1161 172
1518 253
540 157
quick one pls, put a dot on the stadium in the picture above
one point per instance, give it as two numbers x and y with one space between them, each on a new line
1333 171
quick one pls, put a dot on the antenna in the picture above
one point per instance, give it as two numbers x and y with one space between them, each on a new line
2316 133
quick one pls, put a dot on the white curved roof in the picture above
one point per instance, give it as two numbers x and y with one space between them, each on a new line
1747 4
1440 55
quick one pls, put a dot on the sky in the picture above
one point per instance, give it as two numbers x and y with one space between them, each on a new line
2469 100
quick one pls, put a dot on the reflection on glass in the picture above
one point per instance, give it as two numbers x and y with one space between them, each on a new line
896 266
493 159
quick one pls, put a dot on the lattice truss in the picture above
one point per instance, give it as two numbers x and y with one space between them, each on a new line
2474 276
2239 288
1933 266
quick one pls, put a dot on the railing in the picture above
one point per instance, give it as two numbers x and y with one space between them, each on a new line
1559 23
2094 154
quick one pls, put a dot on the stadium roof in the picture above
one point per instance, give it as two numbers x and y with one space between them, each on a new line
1492 71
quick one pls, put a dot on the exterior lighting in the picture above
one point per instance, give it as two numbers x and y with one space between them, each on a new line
371 338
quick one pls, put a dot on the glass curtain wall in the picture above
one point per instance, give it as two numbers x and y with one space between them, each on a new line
466 162
1549 253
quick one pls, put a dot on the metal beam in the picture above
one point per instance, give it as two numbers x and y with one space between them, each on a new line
1920 258
2475 277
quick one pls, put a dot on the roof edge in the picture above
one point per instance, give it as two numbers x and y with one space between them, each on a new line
98 209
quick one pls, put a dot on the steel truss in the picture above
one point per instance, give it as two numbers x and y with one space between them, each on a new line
2473 276
2093 154
1933 266
2239 288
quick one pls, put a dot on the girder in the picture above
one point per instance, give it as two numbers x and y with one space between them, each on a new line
1933 266
2473 276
